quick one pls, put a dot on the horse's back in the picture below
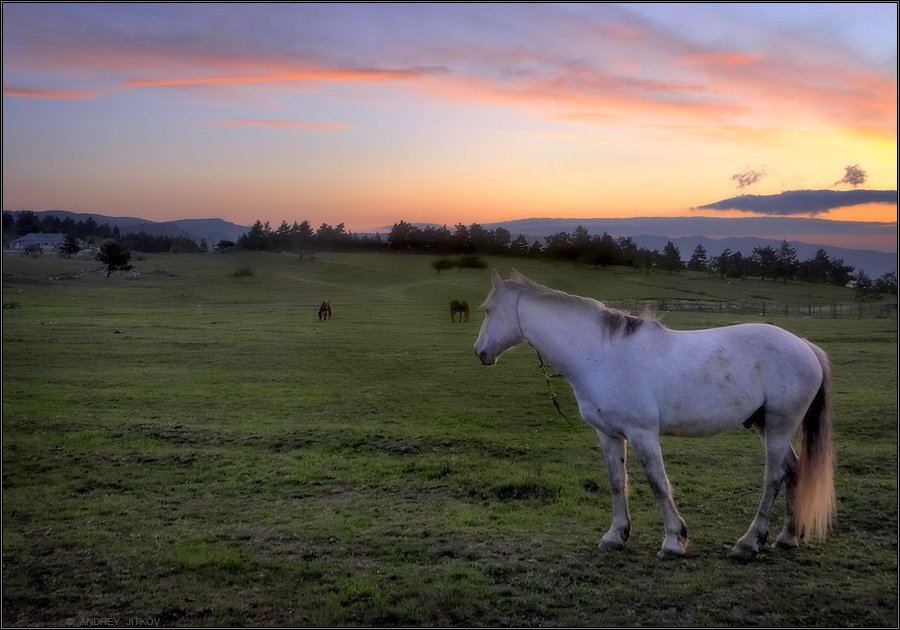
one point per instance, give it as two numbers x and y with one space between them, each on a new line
754 363
702 382
763 341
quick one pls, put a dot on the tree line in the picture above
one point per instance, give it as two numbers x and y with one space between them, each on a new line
89 232
301 237
578 247
16 224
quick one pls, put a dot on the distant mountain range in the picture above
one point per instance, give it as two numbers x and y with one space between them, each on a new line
716 234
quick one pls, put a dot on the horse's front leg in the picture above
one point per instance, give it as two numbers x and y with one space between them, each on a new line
646 445
614 451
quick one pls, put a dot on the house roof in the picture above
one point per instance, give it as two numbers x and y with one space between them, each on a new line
41 237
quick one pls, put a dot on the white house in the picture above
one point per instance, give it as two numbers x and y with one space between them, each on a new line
44 241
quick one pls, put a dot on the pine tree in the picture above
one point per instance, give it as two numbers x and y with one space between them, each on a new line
699 259
670 259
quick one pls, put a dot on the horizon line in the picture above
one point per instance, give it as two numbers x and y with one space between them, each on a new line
824 239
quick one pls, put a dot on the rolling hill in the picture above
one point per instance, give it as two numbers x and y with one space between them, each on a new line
212 230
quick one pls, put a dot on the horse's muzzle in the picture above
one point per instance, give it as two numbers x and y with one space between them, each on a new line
485 359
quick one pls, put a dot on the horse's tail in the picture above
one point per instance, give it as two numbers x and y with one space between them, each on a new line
814 505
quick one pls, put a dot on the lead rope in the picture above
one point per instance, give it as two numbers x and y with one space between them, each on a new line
554 398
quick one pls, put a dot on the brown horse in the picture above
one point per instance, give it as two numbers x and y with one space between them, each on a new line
325 311
461 307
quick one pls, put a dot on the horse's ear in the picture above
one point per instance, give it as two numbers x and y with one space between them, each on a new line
496 282
515 275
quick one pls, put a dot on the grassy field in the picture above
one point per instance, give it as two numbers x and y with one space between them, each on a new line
188 445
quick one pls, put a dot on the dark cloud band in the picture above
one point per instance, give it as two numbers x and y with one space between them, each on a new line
802 201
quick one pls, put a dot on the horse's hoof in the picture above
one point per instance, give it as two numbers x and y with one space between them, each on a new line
787 539
670 554
785 545
742 553
611 545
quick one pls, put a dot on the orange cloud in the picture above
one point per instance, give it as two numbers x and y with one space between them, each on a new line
793 91
55 94
312 74
284 124
718 58
584 95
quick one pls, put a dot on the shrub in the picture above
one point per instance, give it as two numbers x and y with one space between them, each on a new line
471 262
443 264
463 262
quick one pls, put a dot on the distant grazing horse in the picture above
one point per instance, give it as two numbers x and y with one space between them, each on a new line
635 379
325 311
459 307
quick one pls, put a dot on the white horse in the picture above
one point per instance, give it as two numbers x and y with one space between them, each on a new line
635 379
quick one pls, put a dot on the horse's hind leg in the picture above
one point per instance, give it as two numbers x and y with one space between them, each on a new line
787 539
614 451
650 456
777 467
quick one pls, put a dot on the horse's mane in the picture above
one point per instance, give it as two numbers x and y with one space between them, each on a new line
613 321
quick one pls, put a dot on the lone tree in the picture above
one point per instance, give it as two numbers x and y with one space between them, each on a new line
114 256
70 246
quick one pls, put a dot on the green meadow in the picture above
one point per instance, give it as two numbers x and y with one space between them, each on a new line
188 445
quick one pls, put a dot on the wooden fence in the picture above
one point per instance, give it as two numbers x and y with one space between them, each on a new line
758 307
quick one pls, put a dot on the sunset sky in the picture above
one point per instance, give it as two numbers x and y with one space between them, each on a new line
367 114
